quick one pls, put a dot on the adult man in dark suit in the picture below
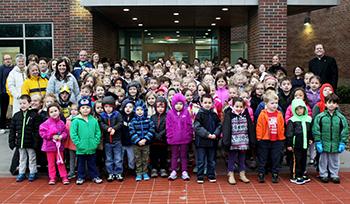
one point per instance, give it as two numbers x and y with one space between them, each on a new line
5 69
324 66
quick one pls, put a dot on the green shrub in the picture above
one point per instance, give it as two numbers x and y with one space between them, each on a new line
344 94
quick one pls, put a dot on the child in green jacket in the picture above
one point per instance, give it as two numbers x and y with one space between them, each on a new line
85 133
331 131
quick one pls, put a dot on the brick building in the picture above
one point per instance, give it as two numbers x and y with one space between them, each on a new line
140 30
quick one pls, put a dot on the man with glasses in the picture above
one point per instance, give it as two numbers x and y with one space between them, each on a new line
5 69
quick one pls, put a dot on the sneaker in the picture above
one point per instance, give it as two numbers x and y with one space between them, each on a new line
172 176
200 180
185 176
154 173
20 177
32 177
110 178
212 179
65 181
336 180
145 177
306 179
163 173
80 181
138 177
261 178
195 170
97 180
298 181
71 176
275 178
119 177
52 181
324 179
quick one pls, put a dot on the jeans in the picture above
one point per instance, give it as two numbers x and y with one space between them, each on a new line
130 155
90 159
206 155
236 156
114 159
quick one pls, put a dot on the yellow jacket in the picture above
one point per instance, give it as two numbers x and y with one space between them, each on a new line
34 85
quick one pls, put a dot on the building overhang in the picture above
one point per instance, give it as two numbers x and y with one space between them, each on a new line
90 3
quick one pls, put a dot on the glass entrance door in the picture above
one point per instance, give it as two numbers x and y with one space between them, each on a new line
181 52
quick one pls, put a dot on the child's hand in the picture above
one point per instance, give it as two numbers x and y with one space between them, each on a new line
57 137
140 143
143 141
310 142
109 129
112 131
290 148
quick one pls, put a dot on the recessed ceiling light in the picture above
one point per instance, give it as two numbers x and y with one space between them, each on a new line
177 31
146 30
152 38
178 36
218 18
176 21
213 24
204 36
126 9
224 9
175 14
134 19
209 30
206 33
140 24
148 33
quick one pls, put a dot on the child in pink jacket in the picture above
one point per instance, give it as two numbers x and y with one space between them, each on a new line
179 134
53 131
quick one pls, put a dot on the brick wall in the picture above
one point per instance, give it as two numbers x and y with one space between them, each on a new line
267 31
330 27
104 37
224 42
56 11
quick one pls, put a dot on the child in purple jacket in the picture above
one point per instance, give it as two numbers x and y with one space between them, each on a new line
53 131
179 134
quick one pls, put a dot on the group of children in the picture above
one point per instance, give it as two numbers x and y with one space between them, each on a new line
144 111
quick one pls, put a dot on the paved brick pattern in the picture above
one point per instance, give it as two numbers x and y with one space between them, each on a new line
164 191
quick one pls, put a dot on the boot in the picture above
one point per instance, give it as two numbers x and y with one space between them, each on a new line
243 178
231 178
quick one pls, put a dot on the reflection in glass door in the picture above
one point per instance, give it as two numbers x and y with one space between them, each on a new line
181 56
155 55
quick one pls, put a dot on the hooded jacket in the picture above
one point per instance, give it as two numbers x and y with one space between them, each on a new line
50 128
140 126
312 97
290 112
24 130
206 122
299 127
262 126
159 121
125 137
330 130
85 134
179 124
15 81
113 120
35 85
321 105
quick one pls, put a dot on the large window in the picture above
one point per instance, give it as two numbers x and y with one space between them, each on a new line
26 38
238 49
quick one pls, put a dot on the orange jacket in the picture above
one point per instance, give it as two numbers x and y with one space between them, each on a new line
262 126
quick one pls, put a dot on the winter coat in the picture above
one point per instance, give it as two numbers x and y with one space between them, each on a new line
85 135
178 127
35 85
160 130
78 68
141 127
125 137
114 121
330 130
299 127
50 128
68 143
326 68
222 94
312 97
298 83
24 130
283 100
206 122
261 107
4 73
54 86
321 105
15 81
262 126
254 102
227 128
289 113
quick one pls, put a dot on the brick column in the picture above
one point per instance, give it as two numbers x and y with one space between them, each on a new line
267 32
224 42
81 30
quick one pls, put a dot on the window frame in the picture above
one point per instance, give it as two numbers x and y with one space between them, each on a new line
24 38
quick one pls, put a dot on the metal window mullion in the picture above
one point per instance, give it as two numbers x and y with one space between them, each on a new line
24 40
52 41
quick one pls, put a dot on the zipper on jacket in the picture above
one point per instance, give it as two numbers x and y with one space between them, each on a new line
23 125
331 131
110 135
